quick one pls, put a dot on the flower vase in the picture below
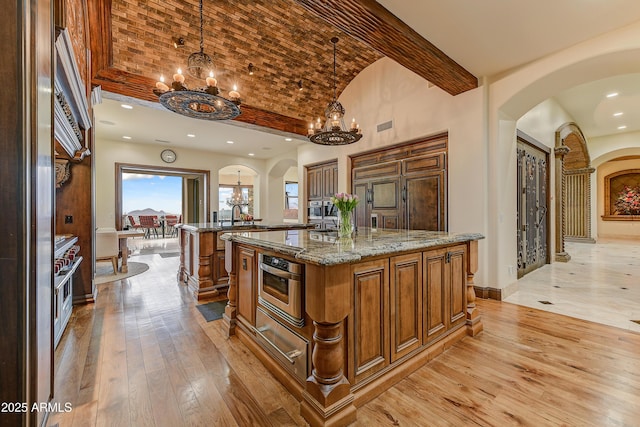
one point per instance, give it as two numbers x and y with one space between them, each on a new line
345 224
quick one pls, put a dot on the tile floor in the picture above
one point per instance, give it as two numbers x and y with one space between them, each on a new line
600 283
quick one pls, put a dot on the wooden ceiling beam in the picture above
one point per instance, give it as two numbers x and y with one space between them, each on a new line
374 25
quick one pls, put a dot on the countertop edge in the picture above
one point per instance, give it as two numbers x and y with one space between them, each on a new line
345 253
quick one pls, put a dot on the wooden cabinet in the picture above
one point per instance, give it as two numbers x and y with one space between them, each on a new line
379 189
314 183
322 183
444 290
424 193
329 180
370 320
402 192
247 282
405 301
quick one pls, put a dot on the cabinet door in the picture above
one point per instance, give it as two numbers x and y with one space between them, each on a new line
405 300
435 292
385 202
329 180
370 320
246 296
424 192
363 209
424 201
314 183
457 256
445 283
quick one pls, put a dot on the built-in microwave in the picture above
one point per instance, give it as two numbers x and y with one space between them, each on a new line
315 209
280 288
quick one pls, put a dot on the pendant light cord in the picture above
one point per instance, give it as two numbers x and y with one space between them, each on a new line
201 33
334 41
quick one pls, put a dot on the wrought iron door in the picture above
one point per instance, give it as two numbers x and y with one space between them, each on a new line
533 182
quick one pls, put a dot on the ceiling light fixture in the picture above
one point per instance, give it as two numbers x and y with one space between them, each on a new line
201 103
177 41
622 127
617 114
612 95
334 131
126 137
127 106
250 67
299 84
190 135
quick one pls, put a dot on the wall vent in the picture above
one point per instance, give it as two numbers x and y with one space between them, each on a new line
385 125
163 141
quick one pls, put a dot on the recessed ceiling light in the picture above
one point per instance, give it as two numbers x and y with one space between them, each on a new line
107 122
251 154
126 137
288 139
266 148
622 127
618 114
229 142
190 135
612 94
127 106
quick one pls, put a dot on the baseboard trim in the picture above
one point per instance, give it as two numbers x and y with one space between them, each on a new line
488 293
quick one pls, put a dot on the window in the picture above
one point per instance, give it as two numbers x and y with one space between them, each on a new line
291 200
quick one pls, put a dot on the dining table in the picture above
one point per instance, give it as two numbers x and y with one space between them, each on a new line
123 236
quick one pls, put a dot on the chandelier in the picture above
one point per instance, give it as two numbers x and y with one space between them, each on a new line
201 103
237 198
334 131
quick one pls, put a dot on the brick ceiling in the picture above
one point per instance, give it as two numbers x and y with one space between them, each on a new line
283 41
287 41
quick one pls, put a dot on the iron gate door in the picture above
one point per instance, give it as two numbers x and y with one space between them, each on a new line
533 182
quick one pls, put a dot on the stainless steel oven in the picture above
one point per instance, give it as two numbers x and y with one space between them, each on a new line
280 288
329 210
315 209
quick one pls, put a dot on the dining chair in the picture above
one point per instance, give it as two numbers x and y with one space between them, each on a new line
150 224
107 246
134 225
170 222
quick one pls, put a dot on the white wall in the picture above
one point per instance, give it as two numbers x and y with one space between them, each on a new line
108 153
387 91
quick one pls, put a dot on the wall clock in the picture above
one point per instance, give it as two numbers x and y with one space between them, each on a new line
168 156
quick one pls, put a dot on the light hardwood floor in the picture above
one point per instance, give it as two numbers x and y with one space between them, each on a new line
143 355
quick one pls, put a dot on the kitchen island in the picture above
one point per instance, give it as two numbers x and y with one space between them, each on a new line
202 254
371 309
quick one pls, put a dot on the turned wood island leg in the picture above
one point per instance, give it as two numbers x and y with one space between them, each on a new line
230 311
327 398
474 322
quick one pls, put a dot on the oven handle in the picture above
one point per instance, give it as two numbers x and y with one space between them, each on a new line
279 273
290 356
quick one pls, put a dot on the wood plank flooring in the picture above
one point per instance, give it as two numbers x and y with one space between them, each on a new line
143 355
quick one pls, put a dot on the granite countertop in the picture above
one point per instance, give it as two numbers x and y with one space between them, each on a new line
325 248
215 226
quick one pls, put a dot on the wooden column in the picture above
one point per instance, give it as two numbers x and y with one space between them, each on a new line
230 311
327 399
474 321
561 194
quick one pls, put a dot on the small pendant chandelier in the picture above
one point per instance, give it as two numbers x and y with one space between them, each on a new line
200 103
334 131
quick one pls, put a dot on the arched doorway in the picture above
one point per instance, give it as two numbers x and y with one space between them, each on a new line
573 189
